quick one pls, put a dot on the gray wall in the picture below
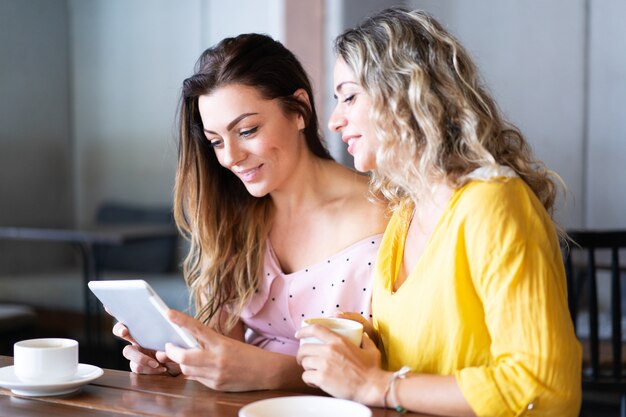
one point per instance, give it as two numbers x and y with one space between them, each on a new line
35 130
605 156
128 60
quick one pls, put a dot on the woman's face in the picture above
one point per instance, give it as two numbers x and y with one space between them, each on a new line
351 117
252 136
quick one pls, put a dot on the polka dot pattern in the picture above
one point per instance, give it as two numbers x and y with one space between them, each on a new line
342 282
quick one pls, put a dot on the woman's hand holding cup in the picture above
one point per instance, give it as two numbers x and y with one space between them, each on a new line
350 329
333 362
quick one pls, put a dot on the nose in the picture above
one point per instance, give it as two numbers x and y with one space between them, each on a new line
232 154
337 120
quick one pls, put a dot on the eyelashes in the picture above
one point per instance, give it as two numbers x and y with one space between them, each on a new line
248 132
244 134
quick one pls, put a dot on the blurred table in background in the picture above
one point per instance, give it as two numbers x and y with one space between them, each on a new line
87 241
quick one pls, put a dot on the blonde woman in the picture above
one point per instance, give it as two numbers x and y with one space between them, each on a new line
469 300
278 230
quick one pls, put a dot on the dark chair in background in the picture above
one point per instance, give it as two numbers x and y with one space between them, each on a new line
157 255
16 323
593 252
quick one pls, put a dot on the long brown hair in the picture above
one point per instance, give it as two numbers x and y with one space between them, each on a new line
226 226
434 118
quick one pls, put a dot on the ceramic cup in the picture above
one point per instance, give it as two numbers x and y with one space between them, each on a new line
45 360
347 328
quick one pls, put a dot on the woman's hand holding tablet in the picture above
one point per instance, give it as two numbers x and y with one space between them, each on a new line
136 305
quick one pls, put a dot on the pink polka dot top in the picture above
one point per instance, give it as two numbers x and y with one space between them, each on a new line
342 282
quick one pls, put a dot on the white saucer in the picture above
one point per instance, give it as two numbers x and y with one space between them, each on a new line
84 375
305 406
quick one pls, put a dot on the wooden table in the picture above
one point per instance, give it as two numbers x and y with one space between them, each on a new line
86 240
121 393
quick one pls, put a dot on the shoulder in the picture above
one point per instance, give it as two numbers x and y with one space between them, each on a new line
351 202
500 196
505 209
360 204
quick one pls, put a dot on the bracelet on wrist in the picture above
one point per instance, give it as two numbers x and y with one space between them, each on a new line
390 389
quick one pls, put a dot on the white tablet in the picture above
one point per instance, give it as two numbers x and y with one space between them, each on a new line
135 304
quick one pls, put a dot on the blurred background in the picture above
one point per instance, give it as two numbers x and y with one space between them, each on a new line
89 92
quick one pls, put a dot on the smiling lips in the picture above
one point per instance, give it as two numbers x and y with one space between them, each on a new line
250 174
350 140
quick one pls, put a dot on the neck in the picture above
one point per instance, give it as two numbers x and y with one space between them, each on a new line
437 195
306 188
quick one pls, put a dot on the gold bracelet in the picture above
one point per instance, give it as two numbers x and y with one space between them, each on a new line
400 374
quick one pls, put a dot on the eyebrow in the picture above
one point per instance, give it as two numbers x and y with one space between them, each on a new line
233 122
340 86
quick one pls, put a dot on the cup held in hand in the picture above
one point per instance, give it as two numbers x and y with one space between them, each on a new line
350 329
49 360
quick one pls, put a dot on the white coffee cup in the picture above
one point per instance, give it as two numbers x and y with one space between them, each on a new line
45 360
348 328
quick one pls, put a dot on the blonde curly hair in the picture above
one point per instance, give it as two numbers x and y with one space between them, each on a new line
435 120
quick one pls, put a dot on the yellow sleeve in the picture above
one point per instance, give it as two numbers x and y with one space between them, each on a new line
517 270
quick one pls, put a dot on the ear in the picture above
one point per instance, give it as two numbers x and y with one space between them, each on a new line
302 96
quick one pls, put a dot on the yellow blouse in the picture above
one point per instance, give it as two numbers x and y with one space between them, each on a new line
486 303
